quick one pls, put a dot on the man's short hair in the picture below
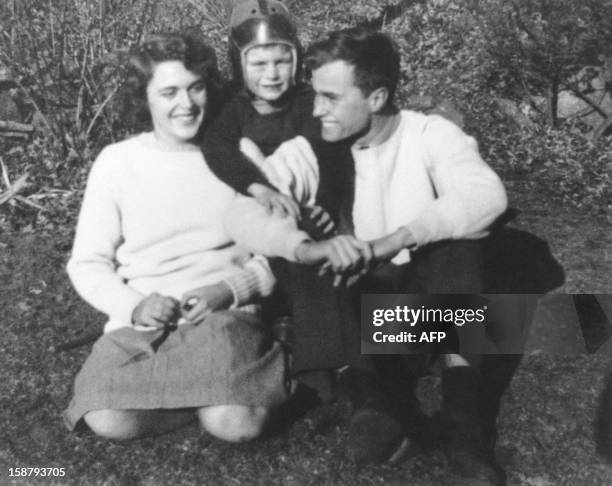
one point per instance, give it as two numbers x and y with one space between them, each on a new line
373 54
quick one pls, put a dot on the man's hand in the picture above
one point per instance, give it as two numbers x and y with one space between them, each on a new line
342 255
274 202
156 311
200 302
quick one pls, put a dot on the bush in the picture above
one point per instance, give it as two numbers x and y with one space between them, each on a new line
542 45
68 57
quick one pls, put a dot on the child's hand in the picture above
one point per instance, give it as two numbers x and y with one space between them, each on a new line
321 220
155 311
200 302
274 202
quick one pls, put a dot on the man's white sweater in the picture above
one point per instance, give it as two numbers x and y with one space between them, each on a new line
428 176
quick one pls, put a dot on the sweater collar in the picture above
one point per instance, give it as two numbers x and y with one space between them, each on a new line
149 140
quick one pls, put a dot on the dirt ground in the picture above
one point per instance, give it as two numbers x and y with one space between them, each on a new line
546 424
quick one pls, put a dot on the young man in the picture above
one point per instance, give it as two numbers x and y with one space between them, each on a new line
421 197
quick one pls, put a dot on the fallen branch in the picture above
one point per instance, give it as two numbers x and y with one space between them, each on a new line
21 135
16 127
13 189
77 342
604 128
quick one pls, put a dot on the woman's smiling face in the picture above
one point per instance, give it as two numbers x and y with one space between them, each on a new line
177 100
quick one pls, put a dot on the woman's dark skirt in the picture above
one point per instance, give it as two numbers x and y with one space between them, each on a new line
229 359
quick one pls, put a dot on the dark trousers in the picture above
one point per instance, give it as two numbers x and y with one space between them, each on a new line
455 268
326 321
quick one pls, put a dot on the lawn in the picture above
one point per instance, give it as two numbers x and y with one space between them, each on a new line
546 423
559 242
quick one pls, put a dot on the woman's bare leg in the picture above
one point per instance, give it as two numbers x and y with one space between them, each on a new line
132 424
233 423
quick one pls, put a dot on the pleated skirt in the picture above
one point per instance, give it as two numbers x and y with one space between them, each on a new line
229 359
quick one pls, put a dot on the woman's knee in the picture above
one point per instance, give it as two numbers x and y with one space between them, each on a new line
113 424
133 424
233 423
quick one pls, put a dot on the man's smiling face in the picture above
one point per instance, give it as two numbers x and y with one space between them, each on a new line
341 106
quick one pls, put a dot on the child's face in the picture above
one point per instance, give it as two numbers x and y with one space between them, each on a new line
268 71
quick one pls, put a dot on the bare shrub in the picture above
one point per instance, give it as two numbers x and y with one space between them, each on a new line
543 44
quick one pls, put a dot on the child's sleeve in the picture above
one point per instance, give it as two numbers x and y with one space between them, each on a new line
221 148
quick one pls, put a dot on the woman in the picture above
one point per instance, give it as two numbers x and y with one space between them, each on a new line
183 335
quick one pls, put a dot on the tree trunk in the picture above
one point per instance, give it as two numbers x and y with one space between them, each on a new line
553 99
13 24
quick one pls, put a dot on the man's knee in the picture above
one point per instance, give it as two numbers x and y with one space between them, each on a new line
453 266
233 423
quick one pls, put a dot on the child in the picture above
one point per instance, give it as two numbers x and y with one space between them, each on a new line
270 107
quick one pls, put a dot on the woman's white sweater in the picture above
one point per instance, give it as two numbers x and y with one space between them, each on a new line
151 221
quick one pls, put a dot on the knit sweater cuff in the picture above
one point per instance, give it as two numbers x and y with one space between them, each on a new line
254 281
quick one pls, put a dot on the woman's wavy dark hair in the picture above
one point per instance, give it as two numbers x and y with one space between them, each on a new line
197 56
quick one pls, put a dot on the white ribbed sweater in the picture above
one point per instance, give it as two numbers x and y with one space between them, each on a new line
151 221
427 177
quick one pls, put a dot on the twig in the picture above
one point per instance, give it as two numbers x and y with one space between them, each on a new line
16 126
81 94
77 342
36 107
99 111
10 134
521 25
26 201
603 128
584 98
12 189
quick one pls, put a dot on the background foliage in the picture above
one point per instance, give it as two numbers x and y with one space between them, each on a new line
463 56
67 59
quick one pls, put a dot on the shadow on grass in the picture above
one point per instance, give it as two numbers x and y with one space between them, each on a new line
603 422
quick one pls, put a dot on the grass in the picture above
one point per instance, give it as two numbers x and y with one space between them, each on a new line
546 423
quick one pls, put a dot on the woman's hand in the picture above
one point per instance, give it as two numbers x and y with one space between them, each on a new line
156 311
200 302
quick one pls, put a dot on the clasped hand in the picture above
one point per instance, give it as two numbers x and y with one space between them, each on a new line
157 311
345 256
